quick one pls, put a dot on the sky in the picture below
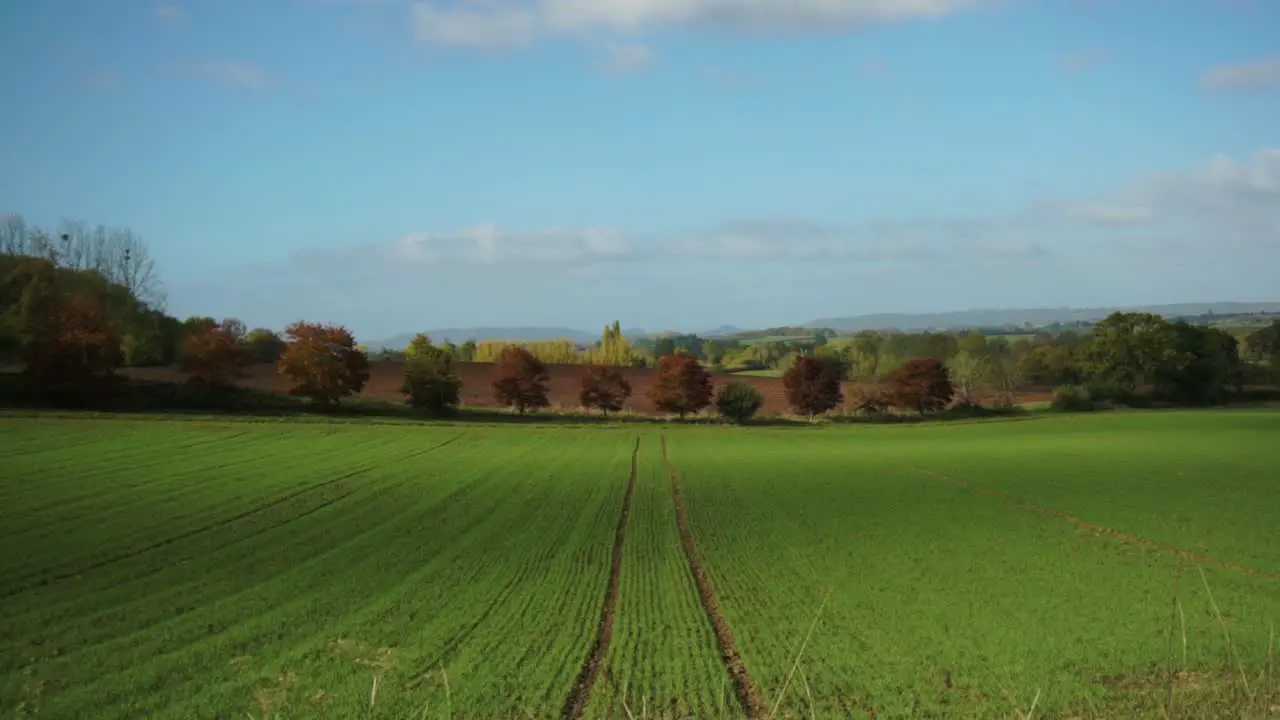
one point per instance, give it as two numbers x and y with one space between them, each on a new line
397 165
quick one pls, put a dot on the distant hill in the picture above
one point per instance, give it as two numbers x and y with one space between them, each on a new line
514 334
722 331
1038 316
461 335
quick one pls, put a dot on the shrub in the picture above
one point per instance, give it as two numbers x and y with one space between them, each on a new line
431 383
739 401
1072 398
1112 393
870 402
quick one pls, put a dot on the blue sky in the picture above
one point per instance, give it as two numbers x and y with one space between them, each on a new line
398 165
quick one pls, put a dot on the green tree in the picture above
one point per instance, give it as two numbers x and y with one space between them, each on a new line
467 351
969 373
739 401
420 344
1264 344
431 381
1126 349
613 348
262 345
1203 366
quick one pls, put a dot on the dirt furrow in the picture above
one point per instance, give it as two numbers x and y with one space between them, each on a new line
577 700
748 693
1102 529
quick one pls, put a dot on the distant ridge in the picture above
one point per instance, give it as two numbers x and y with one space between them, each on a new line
882 321
514 334
1035 316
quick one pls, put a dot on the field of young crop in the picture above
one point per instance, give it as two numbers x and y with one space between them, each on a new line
1111 565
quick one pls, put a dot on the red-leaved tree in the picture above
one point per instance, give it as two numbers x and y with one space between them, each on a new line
604 388
812 387
73 341
923 385
214 356
520 380
323 362
682 385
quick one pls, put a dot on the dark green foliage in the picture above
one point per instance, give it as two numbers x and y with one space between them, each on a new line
431 382
1204 366
739 401
1072 398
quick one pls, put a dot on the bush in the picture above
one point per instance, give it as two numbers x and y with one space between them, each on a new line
739 401
431 383
1072 398
1109 393
869 402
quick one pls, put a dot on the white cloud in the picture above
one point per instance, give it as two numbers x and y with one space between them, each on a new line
624 58
167 11
1257 74
234 74
500 24
1223 201
490 245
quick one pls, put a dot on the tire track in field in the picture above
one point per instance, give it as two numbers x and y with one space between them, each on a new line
122 557
576 703
1101 529
746 689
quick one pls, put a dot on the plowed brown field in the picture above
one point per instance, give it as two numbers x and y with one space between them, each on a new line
385 378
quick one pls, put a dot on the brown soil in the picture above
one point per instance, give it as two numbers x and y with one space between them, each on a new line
1103 530
386 377
577 700
748 693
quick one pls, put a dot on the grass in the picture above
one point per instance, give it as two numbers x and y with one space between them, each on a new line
277 569
767 372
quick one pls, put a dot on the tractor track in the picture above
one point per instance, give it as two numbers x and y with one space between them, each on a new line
744 687
576 703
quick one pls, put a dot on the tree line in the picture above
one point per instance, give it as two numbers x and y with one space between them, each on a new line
78 304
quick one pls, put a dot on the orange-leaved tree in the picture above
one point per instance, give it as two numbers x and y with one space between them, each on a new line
74 342
923 385
215 356
604 387
812 386
520 380
323 362
683 386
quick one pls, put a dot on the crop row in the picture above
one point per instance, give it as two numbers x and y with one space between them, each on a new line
930 597
196 569
472 565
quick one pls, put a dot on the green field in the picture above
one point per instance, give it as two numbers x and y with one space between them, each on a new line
767 372
1108 565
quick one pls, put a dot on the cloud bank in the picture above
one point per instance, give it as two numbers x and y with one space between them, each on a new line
504 24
